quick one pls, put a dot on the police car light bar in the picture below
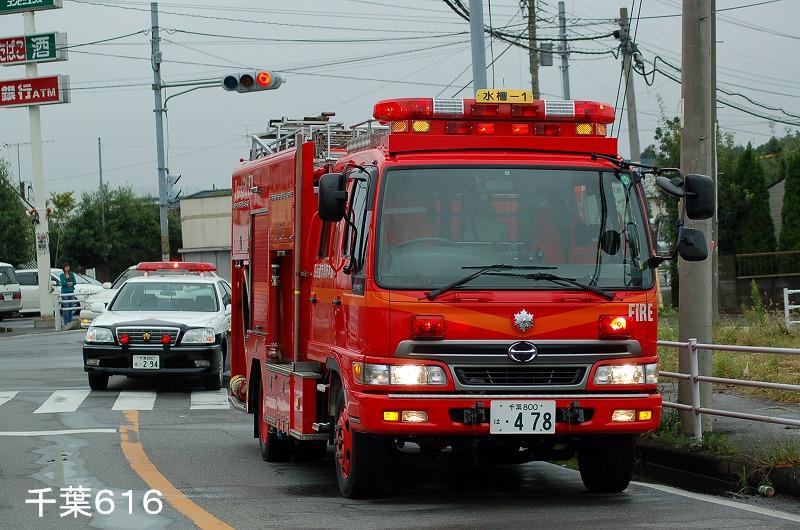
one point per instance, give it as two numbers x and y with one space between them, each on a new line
466 109
190 266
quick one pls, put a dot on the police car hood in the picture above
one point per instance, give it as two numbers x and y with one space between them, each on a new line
189 319
104 296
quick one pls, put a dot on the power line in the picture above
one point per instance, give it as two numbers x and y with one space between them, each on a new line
320 41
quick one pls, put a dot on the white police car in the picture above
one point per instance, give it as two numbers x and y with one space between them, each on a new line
162 325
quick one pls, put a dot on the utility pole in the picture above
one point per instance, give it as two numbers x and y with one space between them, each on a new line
102 187
477 44
155 59
697 152
562 48
41 226
628 49
533 47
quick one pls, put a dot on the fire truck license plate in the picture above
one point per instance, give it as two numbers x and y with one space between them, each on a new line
522 417
146 362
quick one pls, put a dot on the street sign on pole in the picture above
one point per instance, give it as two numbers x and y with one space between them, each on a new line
8 7
39 48
34 91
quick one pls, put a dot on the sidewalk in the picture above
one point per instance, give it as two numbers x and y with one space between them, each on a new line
25 326
753 447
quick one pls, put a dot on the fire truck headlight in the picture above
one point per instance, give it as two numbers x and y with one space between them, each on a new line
199 336
94 334
404 374
626 374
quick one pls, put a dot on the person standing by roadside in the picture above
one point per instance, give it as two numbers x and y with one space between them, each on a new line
68 281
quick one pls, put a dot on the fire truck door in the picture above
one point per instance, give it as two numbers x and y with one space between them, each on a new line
323 291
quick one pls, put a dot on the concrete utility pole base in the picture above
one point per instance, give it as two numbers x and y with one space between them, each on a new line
44 323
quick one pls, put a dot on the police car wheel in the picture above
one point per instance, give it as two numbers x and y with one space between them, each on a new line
98 381
215 381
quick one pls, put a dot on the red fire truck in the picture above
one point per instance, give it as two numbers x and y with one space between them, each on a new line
455 277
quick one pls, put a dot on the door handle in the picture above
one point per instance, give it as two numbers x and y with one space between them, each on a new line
337 302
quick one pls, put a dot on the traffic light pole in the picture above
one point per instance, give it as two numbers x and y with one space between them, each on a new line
163 202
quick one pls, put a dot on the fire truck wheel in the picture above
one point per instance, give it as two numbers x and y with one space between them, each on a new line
215 381
358 458
274 448
606 463
98 381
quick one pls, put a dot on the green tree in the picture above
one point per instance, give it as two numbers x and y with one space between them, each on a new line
62 205
730 203
790 213
16 229
755 231
132 231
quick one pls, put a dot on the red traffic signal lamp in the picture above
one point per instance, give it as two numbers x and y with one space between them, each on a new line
243 82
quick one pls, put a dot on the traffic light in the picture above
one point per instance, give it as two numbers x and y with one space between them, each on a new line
252 81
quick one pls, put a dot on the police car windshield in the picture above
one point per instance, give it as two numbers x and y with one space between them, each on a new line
166 296
586 225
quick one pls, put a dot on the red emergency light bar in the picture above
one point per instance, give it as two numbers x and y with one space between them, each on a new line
391 110
190 266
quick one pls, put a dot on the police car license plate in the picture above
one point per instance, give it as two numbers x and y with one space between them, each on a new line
146 362
7 296
522 417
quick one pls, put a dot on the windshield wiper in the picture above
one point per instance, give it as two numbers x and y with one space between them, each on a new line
482 269
608 295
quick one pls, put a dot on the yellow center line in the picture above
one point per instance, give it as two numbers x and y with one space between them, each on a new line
132 449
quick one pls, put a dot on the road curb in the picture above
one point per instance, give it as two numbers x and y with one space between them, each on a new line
716 467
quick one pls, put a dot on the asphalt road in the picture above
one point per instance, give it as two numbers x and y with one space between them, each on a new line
206 463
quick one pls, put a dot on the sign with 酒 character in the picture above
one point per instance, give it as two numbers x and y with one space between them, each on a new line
34 91
8 7
39 48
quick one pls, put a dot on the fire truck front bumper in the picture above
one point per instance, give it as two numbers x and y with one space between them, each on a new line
458 414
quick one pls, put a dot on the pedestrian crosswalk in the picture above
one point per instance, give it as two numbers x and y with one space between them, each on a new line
73 400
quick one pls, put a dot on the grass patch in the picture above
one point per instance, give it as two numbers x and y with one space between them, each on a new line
669 432
754 327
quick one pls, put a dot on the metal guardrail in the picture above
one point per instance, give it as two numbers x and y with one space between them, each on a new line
787 307
695 378
767 265
63 302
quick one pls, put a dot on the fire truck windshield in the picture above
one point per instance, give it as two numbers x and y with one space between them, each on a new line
581 224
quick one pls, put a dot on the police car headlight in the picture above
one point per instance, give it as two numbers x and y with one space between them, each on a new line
94 334
404 374
199 336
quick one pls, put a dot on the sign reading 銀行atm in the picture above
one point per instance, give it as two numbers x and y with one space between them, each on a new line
39 48
20 6
34 91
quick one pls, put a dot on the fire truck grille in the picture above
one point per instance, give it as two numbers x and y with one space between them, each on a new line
520 375
153 335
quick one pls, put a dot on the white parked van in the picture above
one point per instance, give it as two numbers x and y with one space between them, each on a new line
10 295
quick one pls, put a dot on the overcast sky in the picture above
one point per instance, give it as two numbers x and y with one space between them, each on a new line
112 99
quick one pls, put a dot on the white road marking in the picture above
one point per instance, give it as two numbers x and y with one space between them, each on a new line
721 501
135 400
209 400
63 401
6 396
57 433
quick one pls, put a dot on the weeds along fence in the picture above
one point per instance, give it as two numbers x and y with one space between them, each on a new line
694 377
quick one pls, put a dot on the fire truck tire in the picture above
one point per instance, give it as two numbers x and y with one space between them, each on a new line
606 463
98 381
359 460
274 447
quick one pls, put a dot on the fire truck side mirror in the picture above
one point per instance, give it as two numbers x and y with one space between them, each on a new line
332 197
692 244
698 193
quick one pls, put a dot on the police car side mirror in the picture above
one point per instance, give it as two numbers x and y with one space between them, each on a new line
97 307
332 197
228 310
106 285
